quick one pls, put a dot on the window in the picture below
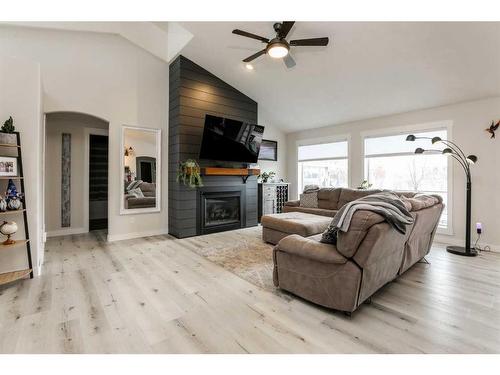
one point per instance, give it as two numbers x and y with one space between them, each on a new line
323 164
390 163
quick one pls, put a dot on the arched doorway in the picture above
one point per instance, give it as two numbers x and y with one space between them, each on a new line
75 173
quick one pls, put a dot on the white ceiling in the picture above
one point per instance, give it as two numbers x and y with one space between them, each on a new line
368 70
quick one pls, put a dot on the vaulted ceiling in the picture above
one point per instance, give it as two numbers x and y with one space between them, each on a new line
368 70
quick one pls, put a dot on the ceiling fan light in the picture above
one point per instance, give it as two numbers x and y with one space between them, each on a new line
277 51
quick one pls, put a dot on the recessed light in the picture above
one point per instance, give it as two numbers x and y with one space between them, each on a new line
249 66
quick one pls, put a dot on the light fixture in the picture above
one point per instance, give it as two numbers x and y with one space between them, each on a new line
249 66
277 48
436 139
411 138
472 159
456 153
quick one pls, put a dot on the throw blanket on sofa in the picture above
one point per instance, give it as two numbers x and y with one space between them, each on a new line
386 204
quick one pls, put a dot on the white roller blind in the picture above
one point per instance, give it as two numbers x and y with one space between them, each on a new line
323 151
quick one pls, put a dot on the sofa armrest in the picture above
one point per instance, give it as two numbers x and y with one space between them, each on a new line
311 249
293 203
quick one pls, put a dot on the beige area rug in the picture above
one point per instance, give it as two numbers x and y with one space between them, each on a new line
242 252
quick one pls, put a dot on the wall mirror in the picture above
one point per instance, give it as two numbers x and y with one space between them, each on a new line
141 169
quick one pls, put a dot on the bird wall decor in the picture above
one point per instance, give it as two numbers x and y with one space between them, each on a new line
493 128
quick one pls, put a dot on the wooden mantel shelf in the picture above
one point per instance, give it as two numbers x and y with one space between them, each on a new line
243 172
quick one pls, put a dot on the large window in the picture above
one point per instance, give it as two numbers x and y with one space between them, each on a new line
390 163
323 164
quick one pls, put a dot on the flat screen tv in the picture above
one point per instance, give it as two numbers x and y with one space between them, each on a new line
230 140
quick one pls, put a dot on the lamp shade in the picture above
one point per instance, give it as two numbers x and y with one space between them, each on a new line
436 139
419 150
411 138
472 159
448 151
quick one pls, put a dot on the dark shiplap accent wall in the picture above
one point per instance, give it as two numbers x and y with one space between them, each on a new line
195 92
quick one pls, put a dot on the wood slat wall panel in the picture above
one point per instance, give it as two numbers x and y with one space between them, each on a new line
195 92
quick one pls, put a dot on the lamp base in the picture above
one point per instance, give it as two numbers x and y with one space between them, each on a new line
460 250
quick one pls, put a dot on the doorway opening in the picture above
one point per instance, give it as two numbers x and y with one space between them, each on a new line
98 182
75 173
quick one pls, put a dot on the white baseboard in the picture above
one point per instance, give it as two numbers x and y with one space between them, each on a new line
458 242
132 235
65 232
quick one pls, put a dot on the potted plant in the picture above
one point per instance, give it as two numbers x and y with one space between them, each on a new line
365 185
7 135
189 173
265 176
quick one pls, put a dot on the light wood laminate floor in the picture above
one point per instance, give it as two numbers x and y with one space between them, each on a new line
154 295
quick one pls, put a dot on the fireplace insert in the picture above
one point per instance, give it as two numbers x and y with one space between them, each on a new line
220 210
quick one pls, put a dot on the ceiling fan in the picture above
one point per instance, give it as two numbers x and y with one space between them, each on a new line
278 47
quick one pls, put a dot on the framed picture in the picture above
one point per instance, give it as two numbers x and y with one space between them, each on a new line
268 150
8 166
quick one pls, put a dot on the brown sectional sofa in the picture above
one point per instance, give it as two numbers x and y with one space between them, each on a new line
365 258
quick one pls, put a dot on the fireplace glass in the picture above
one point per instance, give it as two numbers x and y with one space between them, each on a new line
221 210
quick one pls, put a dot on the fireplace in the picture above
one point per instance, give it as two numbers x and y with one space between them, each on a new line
220 209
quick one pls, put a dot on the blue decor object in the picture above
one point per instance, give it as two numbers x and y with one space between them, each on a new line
11 189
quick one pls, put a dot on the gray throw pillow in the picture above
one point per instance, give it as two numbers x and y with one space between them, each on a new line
309 200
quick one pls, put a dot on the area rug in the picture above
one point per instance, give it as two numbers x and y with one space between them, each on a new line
242 252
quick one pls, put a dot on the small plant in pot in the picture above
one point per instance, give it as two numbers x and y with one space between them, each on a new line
365 185
265 176
189 173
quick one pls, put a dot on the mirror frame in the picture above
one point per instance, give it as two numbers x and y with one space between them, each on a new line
134 211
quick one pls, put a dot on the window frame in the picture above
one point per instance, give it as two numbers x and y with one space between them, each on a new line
323 140
409 129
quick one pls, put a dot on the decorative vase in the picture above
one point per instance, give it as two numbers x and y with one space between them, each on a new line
14 203
3 204
8 228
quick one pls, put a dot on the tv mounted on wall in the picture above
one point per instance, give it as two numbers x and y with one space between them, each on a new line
230 140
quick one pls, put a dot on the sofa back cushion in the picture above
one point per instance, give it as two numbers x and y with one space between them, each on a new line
328 198
349 195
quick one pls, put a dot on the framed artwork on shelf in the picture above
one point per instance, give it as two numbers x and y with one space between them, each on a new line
8 166
268 150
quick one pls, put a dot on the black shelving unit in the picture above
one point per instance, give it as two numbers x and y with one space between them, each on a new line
11 276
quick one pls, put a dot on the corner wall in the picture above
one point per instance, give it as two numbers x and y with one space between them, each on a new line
108 77
469 121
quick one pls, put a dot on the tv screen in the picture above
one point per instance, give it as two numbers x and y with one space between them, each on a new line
230 140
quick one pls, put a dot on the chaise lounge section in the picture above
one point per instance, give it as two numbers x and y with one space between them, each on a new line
365 258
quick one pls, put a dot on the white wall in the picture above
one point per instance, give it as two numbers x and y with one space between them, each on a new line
105 76
20 97
468 123
273 133
75 124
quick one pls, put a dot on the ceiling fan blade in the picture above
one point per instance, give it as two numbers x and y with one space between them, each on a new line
310 42
255 55
289 61
250 35
285 28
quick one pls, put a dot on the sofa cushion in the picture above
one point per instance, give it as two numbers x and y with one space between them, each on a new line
315 211
328 198
296 223
349 195
309 200
311 248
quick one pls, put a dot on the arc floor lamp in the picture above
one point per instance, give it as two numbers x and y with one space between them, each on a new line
465 161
